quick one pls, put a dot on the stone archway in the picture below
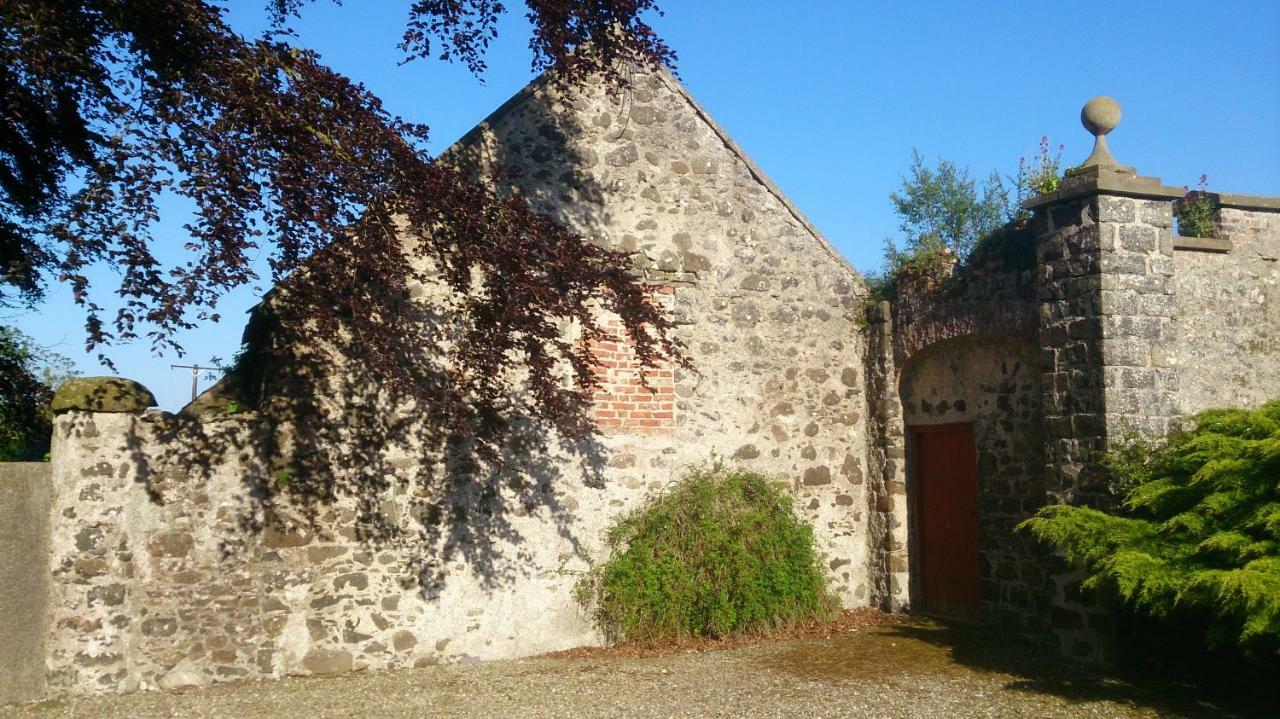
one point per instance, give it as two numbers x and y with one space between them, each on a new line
991 385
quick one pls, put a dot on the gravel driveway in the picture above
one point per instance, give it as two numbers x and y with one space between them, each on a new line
909 669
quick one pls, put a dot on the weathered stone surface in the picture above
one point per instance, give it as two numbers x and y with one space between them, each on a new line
170 544
403 641
26 496
102 394
327 661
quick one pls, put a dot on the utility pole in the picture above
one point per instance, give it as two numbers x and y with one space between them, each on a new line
195 374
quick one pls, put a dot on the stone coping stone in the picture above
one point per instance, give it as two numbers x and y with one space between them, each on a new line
1202 244
1107 183
1247 202
102 394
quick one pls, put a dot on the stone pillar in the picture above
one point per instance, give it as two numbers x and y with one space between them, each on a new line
888 530
1106 294
92 551
1106 329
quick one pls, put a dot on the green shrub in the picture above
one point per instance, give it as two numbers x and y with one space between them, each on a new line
722 553
1198 534
1197 211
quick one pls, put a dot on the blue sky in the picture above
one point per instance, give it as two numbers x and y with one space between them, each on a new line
830 97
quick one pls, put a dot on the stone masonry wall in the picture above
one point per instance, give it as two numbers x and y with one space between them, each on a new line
1069 326
960 348
1107 336
994 384
25 497
171 567
1227 318
1137 302
771 314
237 546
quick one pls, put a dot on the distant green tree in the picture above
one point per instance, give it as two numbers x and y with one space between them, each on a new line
944 214
28 376
1198 534
944 209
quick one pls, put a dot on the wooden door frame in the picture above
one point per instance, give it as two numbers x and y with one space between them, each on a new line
915 495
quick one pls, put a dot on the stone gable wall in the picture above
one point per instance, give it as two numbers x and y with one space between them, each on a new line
191 550
772 316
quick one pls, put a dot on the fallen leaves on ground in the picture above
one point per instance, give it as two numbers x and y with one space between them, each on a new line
847 622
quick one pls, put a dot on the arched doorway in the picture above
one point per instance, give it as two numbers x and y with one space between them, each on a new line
975 468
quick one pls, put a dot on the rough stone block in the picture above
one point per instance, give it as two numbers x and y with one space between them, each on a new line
327 661
102 394
1116 209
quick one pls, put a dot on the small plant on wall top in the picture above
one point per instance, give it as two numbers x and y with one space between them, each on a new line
1041 175
1196 211
721 553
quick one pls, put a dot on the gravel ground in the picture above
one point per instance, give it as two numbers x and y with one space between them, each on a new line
914 669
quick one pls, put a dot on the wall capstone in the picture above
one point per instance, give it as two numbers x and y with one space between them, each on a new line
102 394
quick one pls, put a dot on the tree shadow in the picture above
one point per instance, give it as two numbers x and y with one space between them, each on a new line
327 450
1038 667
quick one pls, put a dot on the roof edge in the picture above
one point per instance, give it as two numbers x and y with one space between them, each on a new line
755 171
544 79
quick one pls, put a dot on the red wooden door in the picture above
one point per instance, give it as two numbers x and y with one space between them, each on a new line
946 504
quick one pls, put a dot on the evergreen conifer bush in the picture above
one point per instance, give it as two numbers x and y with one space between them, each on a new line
1198 534
721 553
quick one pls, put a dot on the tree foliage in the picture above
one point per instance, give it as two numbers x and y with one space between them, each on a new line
720 553
944 209
1198 532
106 106
28 376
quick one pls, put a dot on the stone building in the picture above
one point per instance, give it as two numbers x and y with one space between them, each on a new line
914 434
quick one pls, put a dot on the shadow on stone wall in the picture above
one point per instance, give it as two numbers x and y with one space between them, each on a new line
325 446
328 451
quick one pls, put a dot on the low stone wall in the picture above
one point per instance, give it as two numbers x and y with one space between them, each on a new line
182 556
25 498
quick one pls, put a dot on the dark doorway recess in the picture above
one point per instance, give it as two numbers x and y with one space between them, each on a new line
944 470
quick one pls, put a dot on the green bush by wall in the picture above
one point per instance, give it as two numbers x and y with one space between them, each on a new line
721 553
1197 539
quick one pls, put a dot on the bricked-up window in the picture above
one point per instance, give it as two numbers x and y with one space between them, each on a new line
623 404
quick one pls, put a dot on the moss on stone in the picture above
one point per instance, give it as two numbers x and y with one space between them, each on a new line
102 394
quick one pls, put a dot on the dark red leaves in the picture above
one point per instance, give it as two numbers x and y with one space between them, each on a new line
106 105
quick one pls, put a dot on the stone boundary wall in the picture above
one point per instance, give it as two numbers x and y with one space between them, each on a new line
1227 312
984 312
26 496
182 556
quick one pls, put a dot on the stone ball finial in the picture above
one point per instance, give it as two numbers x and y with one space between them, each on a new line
1100 115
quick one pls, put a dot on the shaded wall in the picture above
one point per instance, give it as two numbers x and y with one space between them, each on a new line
25 498
771 314
351 533
992 382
